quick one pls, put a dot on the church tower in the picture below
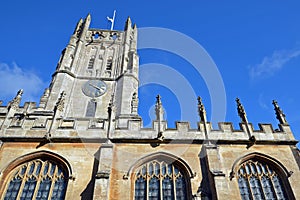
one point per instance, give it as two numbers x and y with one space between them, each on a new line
98 73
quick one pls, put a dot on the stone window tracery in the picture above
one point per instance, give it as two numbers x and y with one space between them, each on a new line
157 180
37 179
258 180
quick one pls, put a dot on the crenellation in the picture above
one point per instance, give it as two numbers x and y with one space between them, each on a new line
3 110
29 106
182 127
225 132
234 136
263 136
134 125
266 128
226 127
122 123
202 126
183 135
285 128
159 126
27 119
246 127
44 98
133 129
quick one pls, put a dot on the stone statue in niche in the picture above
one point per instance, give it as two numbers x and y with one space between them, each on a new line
134 103
60 102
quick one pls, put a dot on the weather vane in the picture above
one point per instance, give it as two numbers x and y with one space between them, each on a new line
112 20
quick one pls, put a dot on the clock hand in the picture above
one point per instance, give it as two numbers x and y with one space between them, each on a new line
98 88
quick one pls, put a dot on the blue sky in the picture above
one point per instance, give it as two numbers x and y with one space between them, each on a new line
255 46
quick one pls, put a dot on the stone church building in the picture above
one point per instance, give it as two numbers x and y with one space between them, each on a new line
85 139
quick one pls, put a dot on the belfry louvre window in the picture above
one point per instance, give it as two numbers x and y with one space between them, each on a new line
258 180
37 179
158 180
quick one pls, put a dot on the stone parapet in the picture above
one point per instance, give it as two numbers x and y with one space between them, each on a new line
30 121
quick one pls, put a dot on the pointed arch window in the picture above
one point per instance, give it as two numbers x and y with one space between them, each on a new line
91 62
37 179
259 180
109 63
157 180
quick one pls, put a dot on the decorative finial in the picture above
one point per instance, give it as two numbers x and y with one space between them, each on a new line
158 99
241 111
159 109
60 102
88 17
78 28
112 20
44 98
279 113
159 117
201 110
16 101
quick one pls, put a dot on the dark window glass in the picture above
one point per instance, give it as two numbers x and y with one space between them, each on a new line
37 179
157 180
259 181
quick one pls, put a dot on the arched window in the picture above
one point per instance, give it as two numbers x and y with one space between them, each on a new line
109 63
260 180
37 179
159 179
91 62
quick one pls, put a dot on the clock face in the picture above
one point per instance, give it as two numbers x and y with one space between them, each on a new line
94 88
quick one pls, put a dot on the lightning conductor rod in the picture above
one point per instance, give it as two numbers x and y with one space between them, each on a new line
112 20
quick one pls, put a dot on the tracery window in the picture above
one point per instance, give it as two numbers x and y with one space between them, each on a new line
258 180
157 180
37 179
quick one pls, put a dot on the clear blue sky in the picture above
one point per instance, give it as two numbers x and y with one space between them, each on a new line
254 44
